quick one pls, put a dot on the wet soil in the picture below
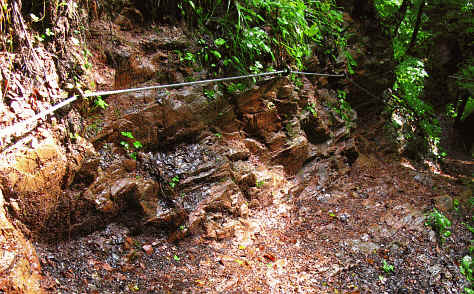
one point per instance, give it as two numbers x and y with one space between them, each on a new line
331 238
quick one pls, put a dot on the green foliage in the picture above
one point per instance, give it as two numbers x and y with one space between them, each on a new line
136 144
410 79
210 94
99 102
451 111
174 182
250 33
466 75
413 46
469 109
312 108
351 63
187 57
387 8
233 88
440 224
407 102
456 204
343 108
467 267
387 267
127 134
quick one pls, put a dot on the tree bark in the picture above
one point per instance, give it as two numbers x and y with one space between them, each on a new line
400 16
364 8
417 26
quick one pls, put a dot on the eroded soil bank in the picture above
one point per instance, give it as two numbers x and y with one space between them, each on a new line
265 190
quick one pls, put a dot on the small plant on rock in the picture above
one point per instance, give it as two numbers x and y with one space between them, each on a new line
388 268
440 223
99 102
174 181
312 108
132 152
210 94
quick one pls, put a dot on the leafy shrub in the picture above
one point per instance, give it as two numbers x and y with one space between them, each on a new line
251 31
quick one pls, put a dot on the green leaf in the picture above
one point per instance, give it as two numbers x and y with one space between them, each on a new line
127 134
387 267
125 145
137 144
216 53
219 42
101 103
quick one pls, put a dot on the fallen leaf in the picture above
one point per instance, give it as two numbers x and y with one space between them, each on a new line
270 257
128 243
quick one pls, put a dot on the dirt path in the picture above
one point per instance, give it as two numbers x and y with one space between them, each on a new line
331 238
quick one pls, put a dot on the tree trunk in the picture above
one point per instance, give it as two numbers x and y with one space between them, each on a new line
400 16
417 26
364 8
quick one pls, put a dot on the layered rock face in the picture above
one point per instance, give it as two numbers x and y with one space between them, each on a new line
207 159
196 160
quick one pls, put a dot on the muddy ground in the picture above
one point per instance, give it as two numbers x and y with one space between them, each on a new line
331 238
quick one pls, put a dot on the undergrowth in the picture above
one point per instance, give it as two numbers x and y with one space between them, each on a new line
254 35
415 27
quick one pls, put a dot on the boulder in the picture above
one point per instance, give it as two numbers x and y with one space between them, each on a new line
35 180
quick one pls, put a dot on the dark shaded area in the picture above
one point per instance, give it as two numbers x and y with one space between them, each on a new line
166 11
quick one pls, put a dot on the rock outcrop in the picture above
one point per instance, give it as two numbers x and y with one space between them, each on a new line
195 160
19 266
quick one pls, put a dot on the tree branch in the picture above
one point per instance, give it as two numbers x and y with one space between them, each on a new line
400 16
417 26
